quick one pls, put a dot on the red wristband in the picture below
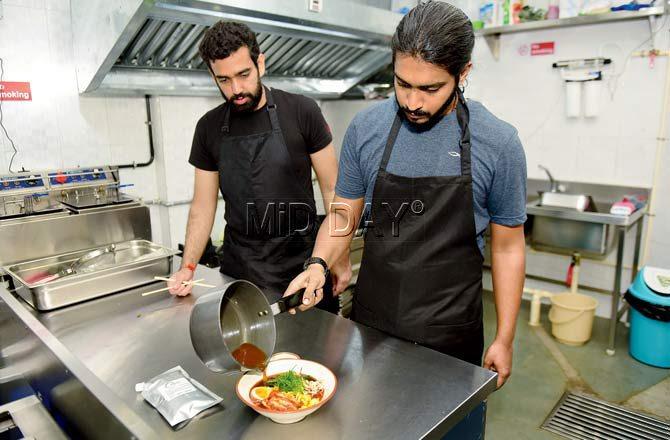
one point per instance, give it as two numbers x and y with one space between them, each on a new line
190 266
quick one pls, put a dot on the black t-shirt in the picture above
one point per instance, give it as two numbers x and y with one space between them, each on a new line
304 128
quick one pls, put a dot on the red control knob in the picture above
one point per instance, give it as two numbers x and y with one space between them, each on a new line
61 178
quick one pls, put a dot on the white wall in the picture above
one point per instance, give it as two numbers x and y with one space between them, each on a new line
618 147
339 115
61 129
399 4
175 119
528 93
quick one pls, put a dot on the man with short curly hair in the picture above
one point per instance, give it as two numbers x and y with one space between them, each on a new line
258 148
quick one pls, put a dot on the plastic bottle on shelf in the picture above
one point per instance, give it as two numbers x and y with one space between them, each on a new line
504 16
487 13
553 10
569 8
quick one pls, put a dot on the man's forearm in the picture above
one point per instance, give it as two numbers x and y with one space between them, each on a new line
327 194
334 238
508 271
198 230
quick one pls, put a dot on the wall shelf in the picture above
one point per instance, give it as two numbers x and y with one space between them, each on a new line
492 34
572 21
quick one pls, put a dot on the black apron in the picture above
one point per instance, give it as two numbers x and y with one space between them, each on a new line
270 215
421 276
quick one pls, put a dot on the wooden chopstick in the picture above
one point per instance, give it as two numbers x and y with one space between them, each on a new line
183 282
186 283
155 291
167 288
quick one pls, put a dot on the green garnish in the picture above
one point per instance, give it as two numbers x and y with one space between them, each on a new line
289 382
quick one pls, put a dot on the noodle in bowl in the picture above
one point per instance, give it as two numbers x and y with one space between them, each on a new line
319 385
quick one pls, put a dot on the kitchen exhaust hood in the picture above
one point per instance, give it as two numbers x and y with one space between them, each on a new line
137 47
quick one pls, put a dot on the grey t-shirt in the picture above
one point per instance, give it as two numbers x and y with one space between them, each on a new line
498 160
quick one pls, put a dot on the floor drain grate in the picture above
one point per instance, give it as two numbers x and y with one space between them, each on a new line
582 417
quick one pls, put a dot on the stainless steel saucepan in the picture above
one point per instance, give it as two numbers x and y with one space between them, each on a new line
239 313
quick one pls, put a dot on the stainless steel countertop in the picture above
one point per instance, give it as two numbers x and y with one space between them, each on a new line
387 388
32 419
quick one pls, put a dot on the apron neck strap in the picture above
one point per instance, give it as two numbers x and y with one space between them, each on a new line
390 140
272 110
463 118
225 128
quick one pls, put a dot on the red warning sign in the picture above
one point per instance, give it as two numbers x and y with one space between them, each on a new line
15 91
546 48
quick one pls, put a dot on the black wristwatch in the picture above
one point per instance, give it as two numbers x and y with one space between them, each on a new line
316 260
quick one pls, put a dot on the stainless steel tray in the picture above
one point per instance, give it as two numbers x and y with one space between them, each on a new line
133 263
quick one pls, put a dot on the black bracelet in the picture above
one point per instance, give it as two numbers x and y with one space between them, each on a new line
316 260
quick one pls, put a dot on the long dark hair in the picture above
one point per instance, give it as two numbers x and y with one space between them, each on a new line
438 33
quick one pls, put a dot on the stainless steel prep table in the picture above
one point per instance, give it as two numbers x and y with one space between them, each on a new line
387 388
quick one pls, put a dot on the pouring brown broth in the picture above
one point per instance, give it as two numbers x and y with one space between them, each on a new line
250 356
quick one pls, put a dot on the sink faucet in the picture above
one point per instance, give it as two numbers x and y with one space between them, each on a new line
552 181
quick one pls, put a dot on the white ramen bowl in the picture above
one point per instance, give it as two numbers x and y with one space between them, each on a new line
309 368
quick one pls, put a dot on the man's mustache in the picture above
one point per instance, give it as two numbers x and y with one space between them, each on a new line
415 113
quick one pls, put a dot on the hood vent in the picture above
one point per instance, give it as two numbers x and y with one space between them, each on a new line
153 46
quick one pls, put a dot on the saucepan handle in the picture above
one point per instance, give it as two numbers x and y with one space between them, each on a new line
291 301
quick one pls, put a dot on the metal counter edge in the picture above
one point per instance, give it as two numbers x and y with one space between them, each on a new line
138 427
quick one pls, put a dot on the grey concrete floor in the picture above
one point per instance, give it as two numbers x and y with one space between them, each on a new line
517 410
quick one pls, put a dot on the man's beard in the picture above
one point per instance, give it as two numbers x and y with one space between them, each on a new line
251 104
433 118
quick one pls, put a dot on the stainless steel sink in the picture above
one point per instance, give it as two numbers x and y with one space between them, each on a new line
567 230
587 227
592 231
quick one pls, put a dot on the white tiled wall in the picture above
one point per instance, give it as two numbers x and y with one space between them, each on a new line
175 119
339 115
59 128
618 146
